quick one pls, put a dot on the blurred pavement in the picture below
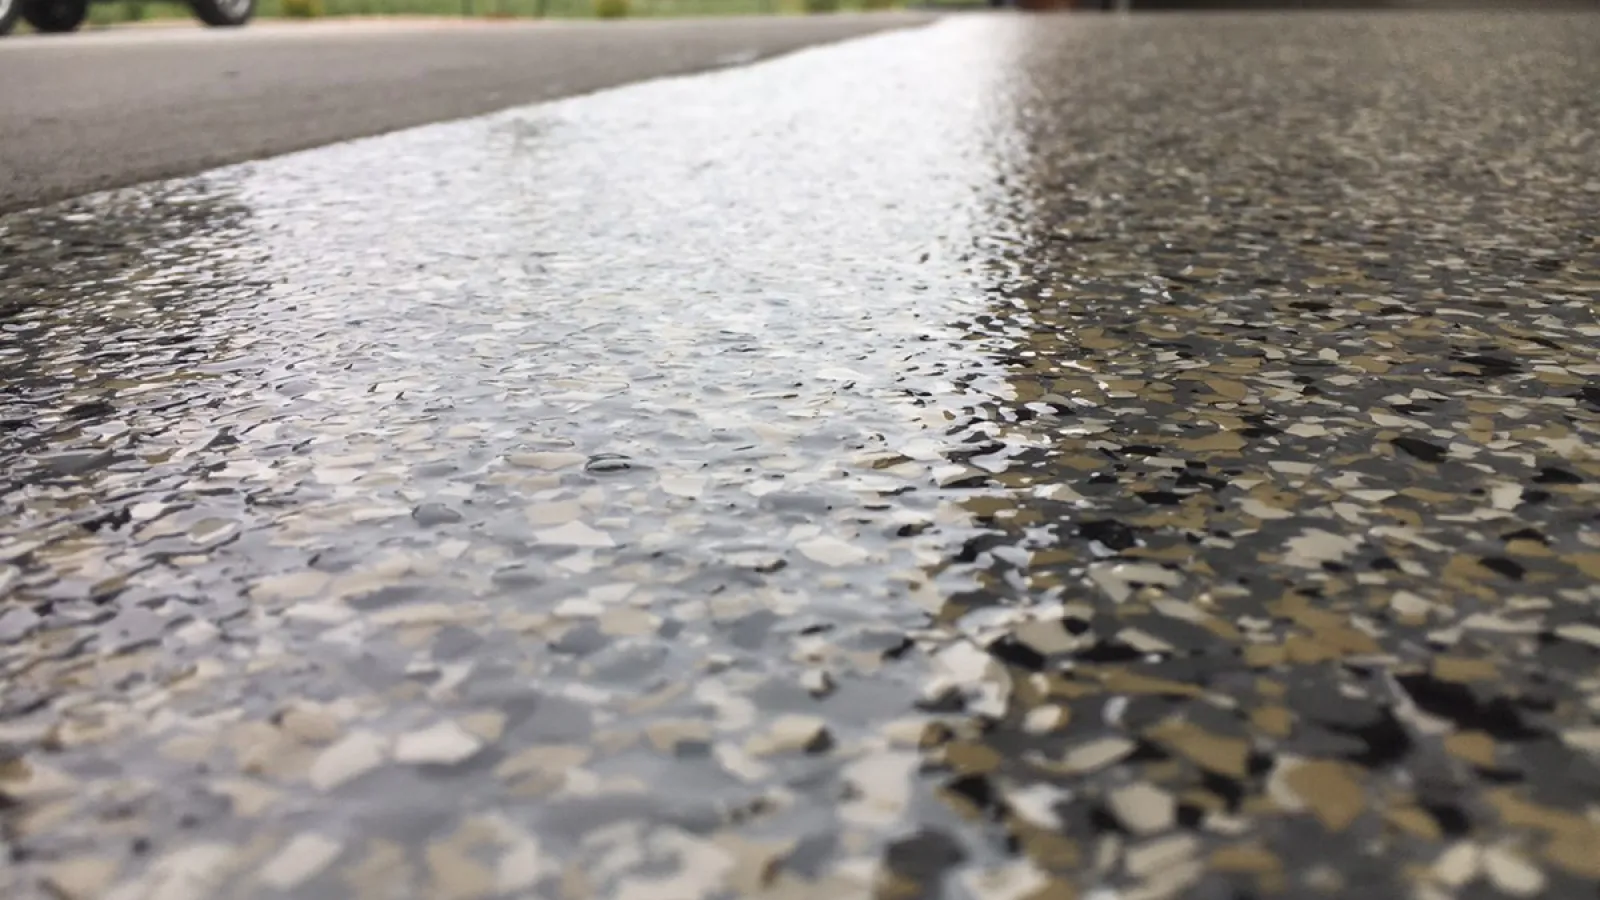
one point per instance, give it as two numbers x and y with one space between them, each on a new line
104 109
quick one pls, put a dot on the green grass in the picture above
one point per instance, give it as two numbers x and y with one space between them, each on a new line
127 11
137 10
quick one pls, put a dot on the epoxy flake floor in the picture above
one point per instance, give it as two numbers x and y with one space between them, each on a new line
1020 458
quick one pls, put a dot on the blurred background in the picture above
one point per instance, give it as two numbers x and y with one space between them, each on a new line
134 11
157 10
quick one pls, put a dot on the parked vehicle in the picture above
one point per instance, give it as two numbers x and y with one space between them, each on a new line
67 15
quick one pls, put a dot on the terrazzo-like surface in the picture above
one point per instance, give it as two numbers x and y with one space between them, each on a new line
1021 458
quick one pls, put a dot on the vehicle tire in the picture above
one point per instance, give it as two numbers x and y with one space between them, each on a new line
223 13
10 10
55 16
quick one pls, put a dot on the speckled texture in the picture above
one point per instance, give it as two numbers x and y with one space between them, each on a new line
1306 315
1070 457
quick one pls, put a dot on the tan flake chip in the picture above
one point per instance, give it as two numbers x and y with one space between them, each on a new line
1223 755
1331 789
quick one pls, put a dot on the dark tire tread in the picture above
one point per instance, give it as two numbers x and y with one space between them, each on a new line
212 14
55 16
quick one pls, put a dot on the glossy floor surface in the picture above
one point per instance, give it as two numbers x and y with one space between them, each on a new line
1017 458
